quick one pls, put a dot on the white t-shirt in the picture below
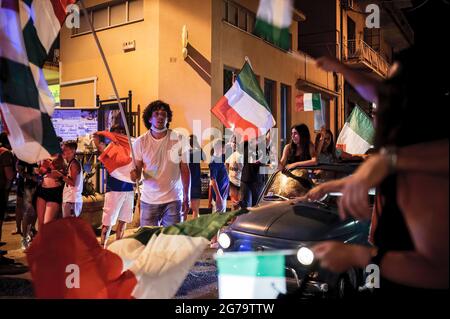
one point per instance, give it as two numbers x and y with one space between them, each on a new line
161 171
236 162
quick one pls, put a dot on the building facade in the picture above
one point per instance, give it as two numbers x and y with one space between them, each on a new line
143 43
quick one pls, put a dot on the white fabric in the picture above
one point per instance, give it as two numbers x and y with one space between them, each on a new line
118 205
161 171
72 209
23 125
162 265
249 287
11 38
73 194
236 162
276 12
249 109
351 142
45 21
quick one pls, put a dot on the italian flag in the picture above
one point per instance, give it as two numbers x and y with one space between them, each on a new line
273 20
308 102
357 134
251 275
66 260
244 107
116 157
28 30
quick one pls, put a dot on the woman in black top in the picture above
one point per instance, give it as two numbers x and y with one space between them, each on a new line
300 152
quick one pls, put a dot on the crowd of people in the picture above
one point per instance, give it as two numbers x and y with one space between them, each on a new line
409 167
46 190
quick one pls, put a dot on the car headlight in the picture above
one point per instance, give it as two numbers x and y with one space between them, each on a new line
224 240
305 256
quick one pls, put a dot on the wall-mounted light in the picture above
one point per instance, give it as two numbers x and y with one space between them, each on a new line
184 41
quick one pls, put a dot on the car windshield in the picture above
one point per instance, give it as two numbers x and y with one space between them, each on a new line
296 183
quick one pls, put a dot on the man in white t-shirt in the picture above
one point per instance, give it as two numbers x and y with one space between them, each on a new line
234 165
166 177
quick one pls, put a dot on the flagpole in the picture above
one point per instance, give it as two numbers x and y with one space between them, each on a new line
105 62
247 59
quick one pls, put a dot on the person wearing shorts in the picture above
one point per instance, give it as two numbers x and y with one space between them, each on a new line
119 197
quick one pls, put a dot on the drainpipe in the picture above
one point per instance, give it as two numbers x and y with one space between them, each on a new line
341 47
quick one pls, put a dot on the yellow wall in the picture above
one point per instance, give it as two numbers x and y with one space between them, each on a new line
157 70
179 84
136 70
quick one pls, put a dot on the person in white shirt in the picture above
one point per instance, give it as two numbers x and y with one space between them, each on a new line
234 165
165 197
72 193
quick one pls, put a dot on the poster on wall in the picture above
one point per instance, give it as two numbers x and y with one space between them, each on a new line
73 124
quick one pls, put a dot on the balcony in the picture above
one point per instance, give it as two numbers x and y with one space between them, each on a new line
359 54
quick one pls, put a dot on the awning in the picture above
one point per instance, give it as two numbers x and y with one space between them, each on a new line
309 87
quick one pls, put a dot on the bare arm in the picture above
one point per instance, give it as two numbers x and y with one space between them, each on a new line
366 85
186 180
423 200
285 155
216 190
311 162
136 173
431 157
74 170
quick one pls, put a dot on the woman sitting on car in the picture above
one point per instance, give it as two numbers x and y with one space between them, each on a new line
300 152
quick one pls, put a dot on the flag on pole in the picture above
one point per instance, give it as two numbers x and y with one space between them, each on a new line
273 20
152 263
28 30
251 275
244 106
116 157
357 135
308 102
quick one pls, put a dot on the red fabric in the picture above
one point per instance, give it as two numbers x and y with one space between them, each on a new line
71 241
230 118
299 103
117 153
59 7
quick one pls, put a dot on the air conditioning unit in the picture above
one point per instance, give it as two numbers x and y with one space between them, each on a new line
347 4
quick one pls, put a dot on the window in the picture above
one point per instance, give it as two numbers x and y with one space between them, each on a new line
135 10
111 14
285 111
372 38
100 18
270 94
228 78
118 14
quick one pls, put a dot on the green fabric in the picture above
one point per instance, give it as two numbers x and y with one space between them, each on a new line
249 84
362 124
278 36
252 264
205 226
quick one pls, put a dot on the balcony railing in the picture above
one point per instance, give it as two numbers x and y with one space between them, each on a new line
358 51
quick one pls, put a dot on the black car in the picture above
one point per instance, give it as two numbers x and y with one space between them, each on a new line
280 221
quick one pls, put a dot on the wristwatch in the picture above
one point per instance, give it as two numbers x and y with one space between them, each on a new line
391 154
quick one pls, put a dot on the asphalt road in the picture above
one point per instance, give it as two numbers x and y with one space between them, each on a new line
201 282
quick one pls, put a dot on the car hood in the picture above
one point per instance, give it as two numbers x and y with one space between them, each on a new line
294 221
